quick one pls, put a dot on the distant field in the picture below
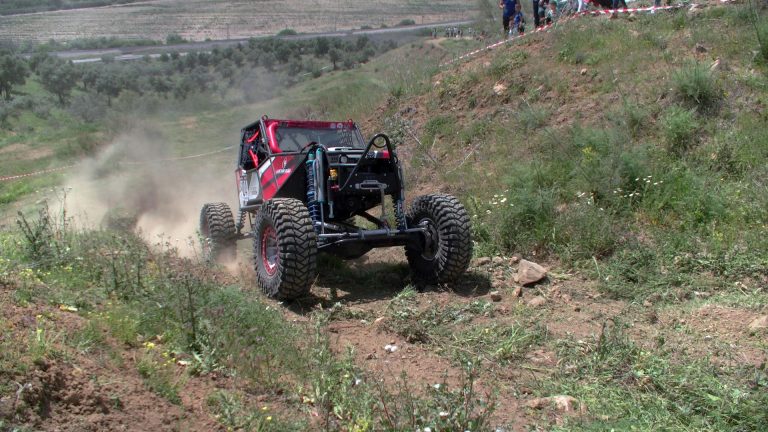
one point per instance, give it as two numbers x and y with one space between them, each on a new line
215 19
12 7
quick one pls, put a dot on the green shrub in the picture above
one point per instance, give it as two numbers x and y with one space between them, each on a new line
629 387
503 66
527 225
584 230
679 128
532 118
635 118
682 199
762 39
695 86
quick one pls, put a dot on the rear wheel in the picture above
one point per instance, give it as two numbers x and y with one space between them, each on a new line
219 236
446 253
284 249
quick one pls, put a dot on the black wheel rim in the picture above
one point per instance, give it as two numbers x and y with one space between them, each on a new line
431 239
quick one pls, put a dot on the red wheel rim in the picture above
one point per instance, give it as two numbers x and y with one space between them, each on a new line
270 255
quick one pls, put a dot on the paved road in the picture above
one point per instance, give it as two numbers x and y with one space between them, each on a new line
134 53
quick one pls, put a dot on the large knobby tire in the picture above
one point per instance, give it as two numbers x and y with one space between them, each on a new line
218 232
284 249
446 254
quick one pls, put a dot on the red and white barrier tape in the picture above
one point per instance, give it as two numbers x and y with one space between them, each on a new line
14 177
179 158
147 162
568 18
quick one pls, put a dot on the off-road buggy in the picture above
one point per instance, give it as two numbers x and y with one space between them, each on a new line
307 187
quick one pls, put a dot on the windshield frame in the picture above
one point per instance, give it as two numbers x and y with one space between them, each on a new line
279 132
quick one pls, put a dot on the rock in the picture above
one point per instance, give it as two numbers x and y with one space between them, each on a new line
699 48
652 317
515 259
499 88
518 292
390 348
577 309
529 272
694 11
497 260
537 301
651 299
495 296
482 261
759 323
563 403
583 71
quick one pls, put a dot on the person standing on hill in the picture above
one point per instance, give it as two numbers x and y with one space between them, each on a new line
518 21
508 6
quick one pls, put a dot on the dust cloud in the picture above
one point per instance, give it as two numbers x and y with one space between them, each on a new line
139 182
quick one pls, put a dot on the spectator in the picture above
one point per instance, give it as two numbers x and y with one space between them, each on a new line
535 12
549 13
508 7
616 4
542 10
518 21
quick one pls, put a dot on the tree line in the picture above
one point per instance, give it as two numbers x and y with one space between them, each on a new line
179 75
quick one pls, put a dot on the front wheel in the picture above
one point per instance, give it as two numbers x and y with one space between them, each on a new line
284 249
445 254
218 232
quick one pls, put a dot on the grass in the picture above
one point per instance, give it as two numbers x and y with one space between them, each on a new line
635 183
626 386
696 86
231 410
172 310
500 344
160 374
452 330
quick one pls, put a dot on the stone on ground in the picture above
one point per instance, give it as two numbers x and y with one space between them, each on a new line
563 403
759 323
529 272
537 301
482 261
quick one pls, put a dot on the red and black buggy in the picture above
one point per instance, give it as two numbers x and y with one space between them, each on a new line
309 186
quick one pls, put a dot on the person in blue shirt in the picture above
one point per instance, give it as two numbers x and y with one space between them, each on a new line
508 6
518 22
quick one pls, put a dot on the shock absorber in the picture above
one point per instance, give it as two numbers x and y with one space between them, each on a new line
312 205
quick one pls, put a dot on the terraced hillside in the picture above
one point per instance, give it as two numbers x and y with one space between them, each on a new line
202 19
